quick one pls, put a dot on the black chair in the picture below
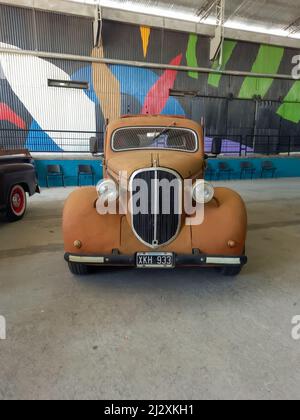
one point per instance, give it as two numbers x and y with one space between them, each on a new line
55 171
96 145
268 167
225 169
85 170
209 171
216 147
247 168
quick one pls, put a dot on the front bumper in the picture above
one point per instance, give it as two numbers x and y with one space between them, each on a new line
181 260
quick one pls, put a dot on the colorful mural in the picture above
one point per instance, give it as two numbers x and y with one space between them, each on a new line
288 110
106 87
50 108
7 114
191 55
228 48
159 93
145 34
268 60
61 119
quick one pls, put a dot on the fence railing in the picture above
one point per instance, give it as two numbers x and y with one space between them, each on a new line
247 145
52 141
49 141
272 144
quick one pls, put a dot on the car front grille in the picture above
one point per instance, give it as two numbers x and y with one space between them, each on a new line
156 213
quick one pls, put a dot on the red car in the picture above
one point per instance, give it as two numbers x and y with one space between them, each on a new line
17 178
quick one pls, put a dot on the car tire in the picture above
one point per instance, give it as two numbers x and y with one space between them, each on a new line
231 271
79 269
17 204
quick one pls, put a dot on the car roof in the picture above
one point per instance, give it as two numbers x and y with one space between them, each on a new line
153 120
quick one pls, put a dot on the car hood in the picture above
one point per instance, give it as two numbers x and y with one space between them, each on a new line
10 168
188 165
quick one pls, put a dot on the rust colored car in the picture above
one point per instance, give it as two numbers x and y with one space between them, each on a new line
141 155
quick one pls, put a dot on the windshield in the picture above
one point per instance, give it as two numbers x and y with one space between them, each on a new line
162 138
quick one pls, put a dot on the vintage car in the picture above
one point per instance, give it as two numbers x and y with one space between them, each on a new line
151 149
17 177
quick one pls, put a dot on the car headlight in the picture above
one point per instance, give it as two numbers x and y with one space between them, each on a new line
108 188
203 192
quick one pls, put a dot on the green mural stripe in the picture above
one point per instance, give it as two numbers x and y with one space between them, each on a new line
228 48
191 55
267 61
291 111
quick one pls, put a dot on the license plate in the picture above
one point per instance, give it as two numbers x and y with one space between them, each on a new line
155 260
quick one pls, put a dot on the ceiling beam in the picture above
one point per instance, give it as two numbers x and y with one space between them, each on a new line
199 28
89 11
57 6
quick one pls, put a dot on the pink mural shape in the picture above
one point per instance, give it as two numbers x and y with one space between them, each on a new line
7 114
159 94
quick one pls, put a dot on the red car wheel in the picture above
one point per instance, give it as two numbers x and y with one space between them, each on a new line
17 203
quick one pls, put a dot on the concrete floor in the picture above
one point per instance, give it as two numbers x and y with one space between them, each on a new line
168 335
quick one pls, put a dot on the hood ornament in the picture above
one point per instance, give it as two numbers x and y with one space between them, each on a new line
155 161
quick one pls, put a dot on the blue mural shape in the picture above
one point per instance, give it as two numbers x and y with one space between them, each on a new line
137 82
134 82
39 141
85 74
144 79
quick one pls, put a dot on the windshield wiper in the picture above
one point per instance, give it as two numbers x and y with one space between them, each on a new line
165 131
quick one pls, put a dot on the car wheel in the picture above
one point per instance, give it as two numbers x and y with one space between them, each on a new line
17 204
79 269
231 271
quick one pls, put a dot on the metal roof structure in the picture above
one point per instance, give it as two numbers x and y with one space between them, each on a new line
266 21
280 17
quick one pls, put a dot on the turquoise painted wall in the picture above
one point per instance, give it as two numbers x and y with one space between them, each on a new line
286 167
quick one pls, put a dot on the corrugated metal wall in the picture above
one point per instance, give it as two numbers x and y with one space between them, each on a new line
27 101
31 29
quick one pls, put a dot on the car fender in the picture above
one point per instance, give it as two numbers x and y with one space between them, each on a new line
17 174
222 232
86 231
224 228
